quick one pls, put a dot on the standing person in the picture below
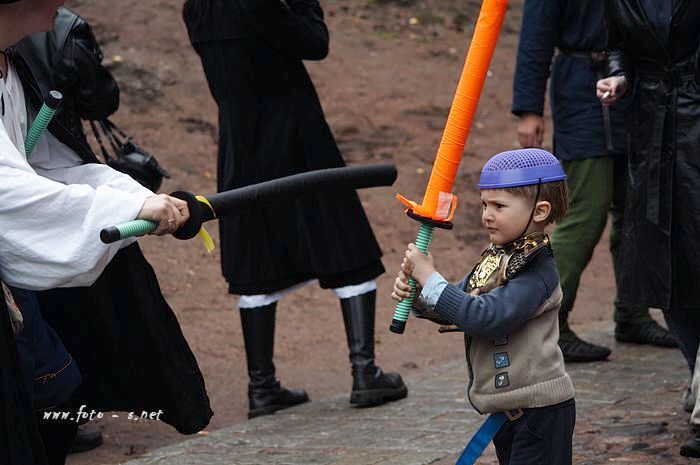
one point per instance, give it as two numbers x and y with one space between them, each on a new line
271 125
590 141
507 307
68 59
653 56
102 300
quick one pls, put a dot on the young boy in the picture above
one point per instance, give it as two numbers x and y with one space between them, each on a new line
508 308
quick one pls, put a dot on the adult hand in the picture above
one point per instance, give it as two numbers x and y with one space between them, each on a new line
170 213
417 264
612 89
531 130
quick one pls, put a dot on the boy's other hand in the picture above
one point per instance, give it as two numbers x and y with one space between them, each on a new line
531 130
417 264
402 289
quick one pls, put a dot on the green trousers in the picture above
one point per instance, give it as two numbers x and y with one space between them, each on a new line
597 187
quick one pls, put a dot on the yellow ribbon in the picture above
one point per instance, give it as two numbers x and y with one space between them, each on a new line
203 234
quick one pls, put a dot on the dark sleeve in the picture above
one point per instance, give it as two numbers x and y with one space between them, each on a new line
615 45
498 312
80 72
538 36
295 28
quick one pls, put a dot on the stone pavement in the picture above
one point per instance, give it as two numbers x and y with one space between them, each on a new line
628 412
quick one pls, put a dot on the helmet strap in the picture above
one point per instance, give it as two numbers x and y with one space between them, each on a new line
534 207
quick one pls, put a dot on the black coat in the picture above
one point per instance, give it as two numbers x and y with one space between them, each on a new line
271 125
661 259
129 345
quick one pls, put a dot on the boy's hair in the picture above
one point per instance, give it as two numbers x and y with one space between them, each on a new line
556 193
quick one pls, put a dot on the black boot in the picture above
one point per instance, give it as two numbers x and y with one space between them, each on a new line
575 349
265 395
691 448
370 386
86 440
648 332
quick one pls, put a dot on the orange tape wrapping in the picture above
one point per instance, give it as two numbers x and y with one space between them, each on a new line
471 83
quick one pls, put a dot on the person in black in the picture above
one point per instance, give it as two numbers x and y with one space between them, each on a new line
68 58
590 141
653 56
271 125
119 332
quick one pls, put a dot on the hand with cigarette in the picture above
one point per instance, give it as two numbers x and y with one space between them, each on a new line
612 89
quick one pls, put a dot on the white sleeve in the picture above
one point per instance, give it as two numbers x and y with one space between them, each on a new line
49 232
96 175
54 160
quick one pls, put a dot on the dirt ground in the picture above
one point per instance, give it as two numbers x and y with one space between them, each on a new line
386 88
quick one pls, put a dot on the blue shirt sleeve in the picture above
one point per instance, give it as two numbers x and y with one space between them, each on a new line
499 312
430 294
538 35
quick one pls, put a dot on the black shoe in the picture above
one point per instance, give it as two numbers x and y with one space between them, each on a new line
265 394
86 440
578 350
650 333
691 448
268 401
370 385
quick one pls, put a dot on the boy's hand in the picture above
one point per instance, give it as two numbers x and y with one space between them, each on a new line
402 289
418 265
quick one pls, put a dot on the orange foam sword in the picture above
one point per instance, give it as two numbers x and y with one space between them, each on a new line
439 203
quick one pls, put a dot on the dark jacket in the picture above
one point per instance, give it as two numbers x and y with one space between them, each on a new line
49 61
271 125
511 338
20 443
662 215
573 29
51 373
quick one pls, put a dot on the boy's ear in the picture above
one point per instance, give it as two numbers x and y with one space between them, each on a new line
542 211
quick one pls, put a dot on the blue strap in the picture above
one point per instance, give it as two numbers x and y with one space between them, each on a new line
481 439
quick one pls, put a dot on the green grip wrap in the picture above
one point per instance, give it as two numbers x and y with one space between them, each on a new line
41 121
403 309
126 230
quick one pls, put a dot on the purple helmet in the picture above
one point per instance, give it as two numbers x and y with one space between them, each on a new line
520 168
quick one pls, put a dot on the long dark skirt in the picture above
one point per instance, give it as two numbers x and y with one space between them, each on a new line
129 346
271 125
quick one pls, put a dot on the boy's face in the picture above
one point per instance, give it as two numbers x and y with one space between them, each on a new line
504 215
